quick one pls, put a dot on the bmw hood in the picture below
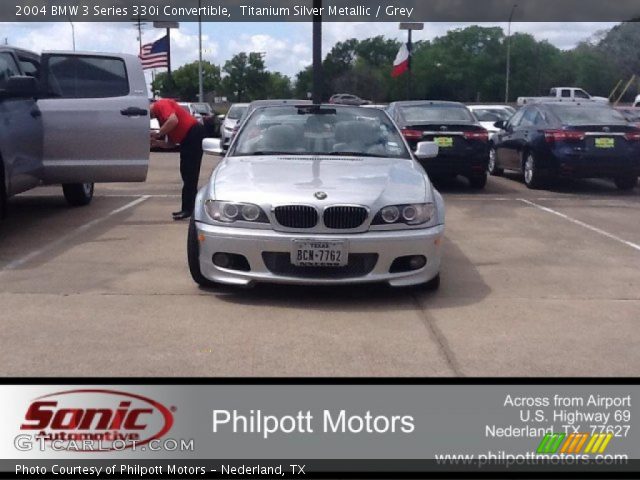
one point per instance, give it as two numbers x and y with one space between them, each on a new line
294 179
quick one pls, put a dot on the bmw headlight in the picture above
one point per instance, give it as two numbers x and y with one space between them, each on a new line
229 212
409 214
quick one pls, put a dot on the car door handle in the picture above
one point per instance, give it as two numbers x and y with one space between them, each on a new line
134 112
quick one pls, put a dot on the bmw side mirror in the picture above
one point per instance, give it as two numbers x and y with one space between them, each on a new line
21 87
212 146
500 124
426 150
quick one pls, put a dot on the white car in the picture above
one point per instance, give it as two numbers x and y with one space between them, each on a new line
315 194
488 115
199 111
231 121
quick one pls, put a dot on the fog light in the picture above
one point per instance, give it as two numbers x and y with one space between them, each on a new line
222 260
409 263
231 261
417 262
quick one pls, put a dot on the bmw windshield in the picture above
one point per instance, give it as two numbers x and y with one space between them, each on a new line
313 130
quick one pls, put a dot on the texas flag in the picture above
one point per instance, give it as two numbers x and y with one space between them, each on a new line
401 63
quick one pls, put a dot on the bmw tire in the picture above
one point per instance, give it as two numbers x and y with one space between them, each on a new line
193 257
432 285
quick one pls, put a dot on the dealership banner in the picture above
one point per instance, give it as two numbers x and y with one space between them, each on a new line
318 429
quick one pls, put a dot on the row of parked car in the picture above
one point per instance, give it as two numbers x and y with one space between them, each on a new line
543 140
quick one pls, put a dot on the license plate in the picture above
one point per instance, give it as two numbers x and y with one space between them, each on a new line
444 142
319 253
605 142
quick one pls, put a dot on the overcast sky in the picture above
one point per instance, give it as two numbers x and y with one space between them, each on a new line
287 45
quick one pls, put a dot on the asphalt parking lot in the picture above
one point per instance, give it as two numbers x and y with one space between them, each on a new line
535 283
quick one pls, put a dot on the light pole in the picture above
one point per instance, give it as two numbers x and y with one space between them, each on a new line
409 27
506 83
200 77
73 34
317 52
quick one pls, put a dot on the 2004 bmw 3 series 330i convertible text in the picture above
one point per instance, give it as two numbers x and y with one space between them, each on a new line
316 194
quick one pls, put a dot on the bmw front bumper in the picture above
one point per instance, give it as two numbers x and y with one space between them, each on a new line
371 256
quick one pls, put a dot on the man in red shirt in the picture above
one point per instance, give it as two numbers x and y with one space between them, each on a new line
184 130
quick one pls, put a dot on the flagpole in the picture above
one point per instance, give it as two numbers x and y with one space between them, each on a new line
139 22
169 77
409 47
410 26
200 77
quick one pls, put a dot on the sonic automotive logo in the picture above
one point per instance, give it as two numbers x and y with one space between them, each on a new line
97 420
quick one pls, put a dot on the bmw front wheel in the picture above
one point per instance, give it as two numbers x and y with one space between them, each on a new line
193 257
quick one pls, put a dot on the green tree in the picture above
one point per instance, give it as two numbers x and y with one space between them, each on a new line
303 83
278 86
377 51
620 47
185 81
246 77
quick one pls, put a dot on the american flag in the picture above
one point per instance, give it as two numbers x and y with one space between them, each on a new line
156 54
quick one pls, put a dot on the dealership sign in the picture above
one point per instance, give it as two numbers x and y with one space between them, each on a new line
96 420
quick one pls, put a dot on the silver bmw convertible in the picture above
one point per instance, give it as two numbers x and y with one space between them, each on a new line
318 195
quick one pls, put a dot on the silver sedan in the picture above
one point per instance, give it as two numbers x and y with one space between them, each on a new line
317 195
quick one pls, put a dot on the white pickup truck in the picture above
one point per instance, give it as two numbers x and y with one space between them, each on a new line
563 93
71 119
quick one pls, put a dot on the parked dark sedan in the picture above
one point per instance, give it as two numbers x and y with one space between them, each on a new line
568 139
462 141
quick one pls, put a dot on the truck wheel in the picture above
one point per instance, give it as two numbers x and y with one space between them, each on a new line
193 257
532 176
78 194
626 183
491 166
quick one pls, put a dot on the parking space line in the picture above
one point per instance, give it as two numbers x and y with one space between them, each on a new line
62 240
136 195
118 195
604 233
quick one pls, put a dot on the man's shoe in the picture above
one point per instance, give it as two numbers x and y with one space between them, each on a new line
181 215
177 213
